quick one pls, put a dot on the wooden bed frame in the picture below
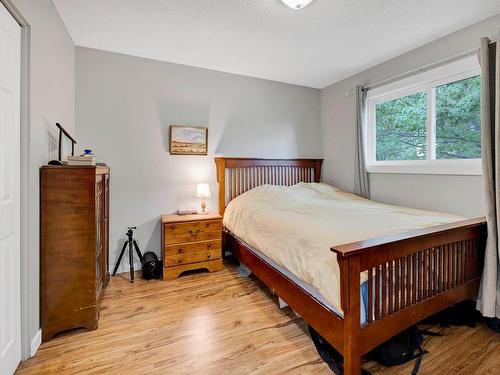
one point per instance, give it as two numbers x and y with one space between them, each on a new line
433 268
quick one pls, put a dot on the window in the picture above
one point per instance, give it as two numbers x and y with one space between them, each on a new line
428 123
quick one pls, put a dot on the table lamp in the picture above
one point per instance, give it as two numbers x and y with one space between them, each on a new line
203 191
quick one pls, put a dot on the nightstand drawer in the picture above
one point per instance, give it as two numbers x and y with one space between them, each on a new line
193 247
192 231
201 256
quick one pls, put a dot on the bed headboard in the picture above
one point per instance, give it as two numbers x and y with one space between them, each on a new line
237 175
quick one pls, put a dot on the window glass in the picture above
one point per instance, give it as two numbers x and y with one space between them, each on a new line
458 119
401 128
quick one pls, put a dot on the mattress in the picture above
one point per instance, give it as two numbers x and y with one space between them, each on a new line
295 227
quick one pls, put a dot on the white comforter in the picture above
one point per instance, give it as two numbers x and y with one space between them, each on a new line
296 226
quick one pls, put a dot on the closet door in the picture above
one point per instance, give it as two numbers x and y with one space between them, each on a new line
10 186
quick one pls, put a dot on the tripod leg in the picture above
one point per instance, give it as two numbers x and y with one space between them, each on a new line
120 258
131 260
138 251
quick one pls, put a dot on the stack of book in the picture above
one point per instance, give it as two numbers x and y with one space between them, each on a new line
81 160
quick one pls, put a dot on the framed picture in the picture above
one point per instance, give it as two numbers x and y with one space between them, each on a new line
188 140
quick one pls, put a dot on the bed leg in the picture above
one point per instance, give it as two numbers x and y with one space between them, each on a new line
352 356
352 362
350 280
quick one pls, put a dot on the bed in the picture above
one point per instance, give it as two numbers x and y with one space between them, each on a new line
383 279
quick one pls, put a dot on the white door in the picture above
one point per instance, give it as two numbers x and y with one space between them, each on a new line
10 143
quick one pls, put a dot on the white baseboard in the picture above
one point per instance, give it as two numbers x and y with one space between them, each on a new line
35 343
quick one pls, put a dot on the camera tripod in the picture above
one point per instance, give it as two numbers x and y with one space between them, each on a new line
131 243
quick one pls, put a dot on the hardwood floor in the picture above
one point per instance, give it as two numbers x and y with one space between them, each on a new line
219 323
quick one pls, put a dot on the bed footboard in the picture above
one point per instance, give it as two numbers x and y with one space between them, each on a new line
410 276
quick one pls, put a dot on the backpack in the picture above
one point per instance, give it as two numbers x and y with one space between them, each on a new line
400 349
461 314
396 351
328 353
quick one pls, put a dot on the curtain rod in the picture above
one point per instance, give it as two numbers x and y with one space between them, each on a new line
424 68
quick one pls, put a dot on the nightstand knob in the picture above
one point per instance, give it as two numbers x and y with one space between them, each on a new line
179 260
209 255
209 245
179 250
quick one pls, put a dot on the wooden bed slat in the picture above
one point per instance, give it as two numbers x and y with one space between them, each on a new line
464 261
435 273
439 273
442 252
413 278
370 295
397 293
401 290
390 291
384 290
425 287
461 262
378 313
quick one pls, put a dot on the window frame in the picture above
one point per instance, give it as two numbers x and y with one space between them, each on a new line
422 82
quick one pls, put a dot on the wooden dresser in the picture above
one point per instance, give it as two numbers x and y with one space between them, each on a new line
74 226
191 242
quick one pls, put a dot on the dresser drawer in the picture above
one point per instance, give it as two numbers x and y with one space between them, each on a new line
192 231
193 247
201 256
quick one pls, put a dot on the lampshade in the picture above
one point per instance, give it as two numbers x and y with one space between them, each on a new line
203 190
296 4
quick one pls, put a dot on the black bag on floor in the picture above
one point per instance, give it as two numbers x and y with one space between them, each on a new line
400 349
396 351
151 266
328 353
461 314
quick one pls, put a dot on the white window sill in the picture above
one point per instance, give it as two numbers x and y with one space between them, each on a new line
470 167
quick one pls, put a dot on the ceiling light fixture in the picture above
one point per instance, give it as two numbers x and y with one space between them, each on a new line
296 4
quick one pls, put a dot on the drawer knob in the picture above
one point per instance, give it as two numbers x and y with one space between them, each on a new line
179 260
209 255
179 250
195 232
209 245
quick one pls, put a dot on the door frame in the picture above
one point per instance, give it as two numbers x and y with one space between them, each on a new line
26 350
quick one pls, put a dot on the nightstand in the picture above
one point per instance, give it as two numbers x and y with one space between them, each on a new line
191 242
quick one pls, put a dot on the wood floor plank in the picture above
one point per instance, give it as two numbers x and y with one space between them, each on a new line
219 323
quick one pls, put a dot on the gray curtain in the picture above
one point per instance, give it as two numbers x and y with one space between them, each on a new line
361 181
489 294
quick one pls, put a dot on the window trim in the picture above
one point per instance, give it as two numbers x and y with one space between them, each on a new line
423 82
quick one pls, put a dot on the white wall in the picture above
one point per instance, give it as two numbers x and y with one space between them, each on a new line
52 100
125 106
457 194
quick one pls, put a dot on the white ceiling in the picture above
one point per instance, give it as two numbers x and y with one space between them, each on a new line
316 46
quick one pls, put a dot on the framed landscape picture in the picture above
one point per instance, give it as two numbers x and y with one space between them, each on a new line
188 140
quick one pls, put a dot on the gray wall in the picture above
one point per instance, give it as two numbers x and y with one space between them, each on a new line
125 106
457 194
52 100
